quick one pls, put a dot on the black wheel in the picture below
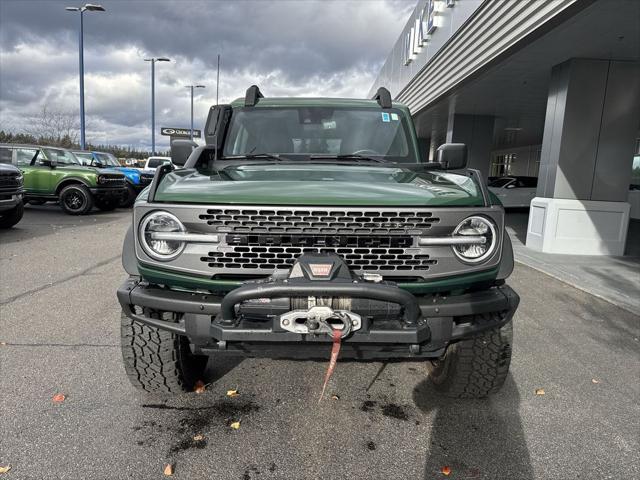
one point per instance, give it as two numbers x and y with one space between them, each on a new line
159 361
9 218
476 367
76 199
107 205
129 197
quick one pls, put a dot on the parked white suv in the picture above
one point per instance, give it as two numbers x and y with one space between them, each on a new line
154 162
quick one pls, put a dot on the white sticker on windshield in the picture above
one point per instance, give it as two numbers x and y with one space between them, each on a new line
385 117
394 117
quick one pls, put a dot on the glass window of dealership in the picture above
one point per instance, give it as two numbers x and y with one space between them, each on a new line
545 89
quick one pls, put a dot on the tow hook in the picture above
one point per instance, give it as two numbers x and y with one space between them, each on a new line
321 320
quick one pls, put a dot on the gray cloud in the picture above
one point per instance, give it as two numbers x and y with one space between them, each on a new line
287 47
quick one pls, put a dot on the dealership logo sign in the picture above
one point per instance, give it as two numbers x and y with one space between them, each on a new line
179 132
418 35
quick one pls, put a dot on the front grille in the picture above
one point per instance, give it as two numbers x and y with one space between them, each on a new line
112 180
10 181
319 221
260 241
273 258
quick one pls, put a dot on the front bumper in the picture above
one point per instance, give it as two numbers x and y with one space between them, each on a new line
107 193
429 323
9 201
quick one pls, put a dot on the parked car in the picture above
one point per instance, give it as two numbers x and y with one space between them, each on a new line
136 180
11 190
154 162
514 191
55 174
307 222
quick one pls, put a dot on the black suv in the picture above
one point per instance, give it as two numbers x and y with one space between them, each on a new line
11 190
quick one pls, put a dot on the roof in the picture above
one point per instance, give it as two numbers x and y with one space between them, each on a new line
29 145
312 102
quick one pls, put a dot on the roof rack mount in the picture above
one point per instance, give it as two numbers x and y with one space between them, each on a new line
252 96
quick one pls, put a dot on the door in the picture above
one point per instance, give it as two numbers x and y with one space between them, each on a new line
23 158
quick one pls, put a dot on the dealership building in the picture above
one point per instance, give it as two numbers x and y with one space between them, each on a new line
549 89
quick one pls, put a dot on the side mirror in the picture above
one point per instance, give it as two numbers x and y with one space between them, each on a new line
180 151
45 162
452 156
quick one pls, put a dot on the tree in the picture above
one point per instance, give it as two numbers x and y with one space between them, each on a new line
54 126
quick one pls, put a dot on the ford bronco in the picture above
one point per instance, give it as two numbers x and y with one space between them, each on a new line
136 180
301 217
55 174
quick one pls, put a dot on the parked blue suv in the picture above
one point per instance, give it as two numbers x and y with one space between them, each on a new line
136 179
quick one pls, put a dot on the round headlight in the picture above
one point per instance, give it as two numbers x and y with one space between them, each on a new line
476 227
158 248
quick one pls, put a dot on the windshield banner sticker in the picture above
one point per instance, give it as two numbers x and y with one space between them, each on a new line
385 117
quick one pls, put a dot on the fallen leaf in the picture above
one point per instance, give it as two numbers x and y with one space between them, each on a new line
5 468
594 380
539 391
446 471
3 343
59 398
232 393
199 387
198 438
335 397
168 470
235 425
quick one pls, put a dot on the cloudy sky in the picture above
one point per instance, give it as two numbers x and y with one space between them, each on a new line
297 47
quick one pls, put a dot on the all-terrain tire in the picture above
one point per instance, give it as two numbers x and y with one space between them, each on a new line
476 367
159 361
76 199
9 218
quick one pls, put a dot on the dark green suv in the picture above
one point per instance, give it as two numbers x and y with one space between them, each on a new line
306 220
54 174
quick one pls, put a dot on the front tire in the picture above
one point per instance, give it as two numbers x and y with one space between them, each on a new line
9 218
476 367
159 361
129 197
76 199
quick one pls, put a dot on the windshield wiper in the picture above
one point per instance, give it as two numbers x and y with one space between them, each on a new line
253 156
346 156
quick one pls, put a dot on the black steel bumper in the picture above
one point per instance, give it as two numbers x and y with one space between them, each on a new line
108 192
429 323
9 198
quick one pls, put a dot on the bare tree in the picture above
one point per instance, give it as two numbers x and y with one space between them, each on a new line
55 125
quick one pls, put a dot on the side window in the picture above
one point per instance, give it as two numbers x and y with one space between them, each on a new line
25 155
5 155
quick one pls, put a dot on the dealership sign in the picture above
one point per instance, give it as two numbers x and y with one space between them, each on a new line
179 132
418 35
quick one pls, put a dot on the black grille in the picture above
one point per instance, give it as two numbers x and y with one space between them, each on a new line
10 181
319 221
282 257
111 180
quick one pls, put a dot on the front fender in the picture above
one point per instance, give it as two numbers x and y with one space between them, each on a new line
129 261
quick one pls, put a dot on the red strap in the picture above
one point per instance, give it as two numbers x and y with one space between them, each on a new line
335 350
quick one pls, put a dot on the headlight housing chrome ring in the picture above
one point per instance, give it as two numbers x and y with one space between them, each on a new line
164 222
476 252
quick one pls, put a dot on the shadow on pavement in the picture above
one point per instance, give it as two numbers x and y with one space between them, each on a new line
477 439
219 366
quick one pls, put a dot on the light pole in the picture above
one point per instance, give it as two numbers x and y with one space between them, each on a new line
153 61
191 87
86 8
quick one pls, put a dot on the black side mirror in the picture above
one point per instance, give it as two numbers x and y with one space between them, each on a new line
45 162
452 156
180 151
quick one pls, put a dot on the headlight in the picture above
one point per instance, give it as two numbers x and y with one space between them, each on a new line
101 179
476 227
160 222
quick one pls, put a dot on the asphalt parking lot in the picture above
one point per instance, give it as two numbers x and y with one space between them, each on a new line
59 332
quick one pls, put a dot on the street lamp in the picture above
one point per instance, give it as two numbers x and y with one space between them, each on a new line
87 8
153 61
191 87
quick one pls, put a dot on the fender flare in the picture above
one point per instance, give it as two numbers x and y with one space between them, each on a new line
69 181
506 263
129 260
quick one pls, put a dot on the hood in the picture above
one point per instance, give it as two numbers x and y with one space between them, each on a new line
319 184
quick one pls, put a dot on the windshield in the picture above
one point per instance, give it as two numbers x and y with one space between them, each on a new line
156 162
500 182
85 158
302 132
63 157
107 160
